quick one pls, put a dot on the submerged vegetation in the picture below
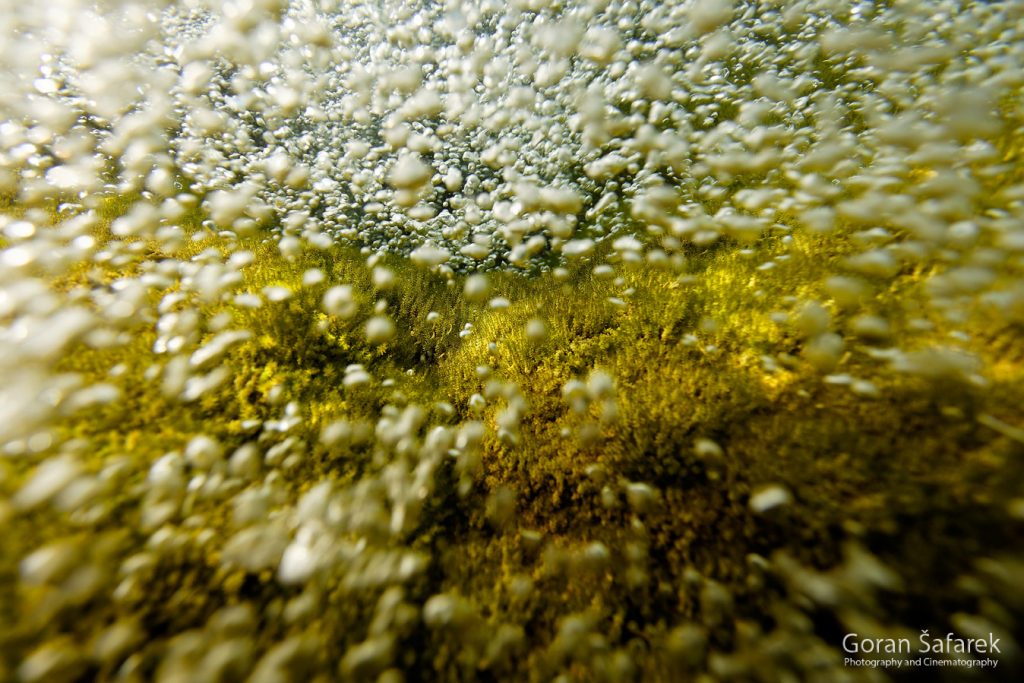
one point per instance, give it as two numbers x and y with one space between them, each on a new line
639 473
597 341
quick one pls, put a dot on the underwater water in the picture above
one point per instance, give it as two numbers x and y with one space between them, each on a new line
542 340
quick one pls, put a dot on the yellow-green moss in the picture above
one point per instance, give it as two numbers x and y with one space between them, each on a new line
911 473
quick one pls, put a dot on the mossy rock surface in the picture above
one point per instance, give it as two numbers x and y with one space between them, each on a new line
618 538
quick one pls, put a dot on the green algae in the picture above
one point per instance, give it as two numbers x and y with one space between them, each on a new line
599 544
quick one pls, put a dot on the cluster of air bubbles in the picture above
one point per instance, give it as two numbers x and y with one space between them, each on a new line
484 135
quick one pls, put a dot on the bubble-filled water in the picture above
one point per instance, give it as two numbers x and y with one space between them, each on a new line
616 340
